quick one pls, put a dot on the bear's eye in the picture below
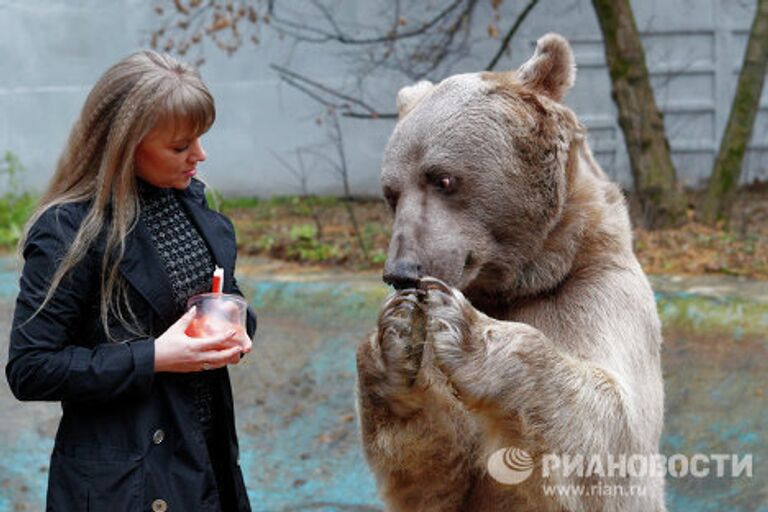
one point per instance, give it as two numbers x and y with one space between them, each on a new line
444 182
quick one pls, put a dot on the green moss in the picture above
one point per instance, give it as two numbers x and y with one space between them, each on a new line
713 316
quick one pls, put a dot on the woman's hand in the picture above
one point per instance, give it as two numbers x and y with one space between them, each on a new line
230 310
241 337
177 352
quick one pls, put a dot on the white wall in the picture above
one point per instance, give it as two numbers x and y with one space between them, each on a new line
52 51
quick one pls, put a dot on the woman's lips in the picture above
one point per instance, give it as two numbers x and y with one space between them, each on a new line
190 173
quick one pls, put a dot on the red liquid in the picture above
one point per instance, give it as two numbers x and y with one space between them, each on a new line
204 327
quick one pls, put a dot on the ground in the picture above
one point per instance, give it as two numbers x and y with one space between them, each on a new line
317 297
318 231
294 394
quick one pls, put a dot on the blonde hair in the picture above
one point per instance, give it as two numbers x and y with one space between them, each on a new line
97 164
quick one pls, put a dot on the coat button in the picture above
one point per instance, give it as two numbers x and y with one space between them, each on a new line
159 506
157 438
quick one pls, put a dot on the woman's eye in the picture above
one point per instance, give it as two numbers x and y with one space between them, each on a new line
181 149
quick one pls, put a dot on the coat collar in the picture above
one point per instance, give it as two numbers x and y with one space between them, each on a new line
207 222
141 265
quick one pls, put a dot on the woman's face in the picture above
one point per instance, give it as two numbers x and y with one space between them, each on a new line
167 156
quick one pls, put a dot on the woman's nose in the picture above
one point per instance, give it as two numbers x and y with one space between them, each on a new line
198 153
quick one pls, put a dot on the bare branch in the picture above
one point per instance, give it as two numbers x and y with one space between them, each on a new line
334 165
358 115
322 36
317 85
299 173
510 34
314 89
337 136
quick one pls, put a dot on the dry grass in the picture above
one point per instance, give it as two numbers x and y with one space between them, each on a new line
318 231
738 249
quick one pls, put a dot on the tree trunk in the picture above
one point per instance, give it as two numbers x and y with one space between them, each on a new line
721 189
662 202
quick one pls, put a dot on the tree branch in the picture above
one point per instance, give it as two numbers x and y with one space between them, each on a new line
322 36
338 139
313 89
510 34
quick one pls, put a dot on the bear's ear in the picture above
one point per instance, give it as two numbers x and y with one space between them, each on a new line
408 97
552 70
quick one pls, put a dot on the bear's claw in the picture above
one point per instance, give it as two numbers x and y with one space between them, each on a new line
402 333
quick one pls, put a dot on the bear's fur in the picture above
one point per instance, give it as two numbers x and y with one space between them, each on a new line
523 318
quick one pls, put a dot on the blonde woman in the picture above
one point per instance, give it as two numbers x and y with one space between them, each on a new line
121 239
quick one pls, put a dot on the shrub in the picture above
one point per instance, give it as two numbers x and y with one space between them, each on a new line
15 206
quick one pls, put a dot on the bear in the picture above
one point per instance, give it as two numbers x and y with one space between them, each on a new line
522 328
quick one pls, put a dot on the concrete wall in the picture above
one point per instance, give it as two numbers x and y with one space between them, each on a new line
52 51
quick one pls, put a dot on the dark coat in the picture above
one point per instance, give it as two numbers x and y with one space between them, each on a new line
129 439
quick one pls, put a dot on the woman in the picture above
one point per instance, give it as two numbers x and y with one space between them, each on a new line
121 239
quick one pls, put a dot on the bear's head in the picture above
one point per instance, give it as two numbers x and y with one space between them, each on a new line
476 172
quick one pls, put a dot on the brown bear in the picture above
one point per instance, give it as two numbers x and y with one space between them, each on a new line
523 324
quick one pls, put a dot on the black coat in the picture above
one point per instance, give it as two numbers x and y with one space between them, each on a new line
129 438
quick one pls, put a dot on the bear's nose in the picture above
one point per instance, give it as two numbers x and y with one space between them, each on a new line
402 274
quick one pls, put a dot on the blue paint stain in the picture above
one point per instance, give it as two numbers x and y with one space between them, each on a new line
674 441
25 460
732 431
700 447
684 502
669 310
696 316
9 284
305 463
722 391
749 438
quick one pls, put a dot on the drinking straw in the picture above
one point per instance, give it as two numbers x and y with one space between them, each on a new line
218 280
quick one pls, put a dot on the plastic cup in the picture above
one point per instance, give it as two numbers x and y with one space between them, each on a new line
216 313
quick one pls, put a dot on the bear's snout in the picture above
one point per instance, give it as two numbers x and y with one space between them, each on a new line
402 274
